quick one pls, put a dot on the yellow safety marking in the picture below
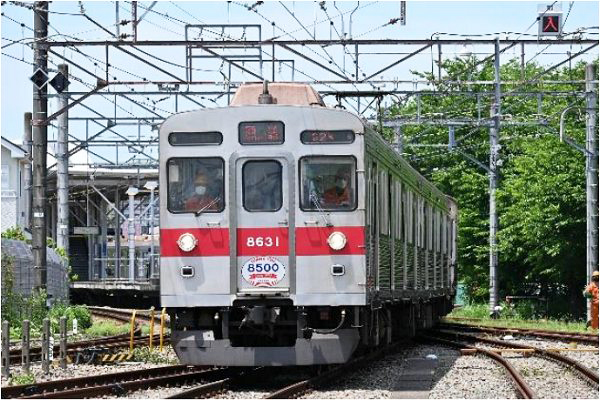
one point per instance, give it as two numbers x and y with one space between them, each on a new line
162 327
132 330
151 333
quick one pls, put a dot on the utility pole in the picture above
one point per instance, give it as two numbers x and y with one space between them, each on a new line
134 20
493 174
591 170
62 168
132 192
28 176
40 145
117 22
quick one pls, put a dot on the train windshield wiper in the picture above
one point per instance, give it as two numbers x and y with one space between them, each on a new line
313 197
210 204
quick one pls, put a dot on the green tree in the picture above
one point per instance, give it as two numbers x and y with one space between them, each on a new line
541 196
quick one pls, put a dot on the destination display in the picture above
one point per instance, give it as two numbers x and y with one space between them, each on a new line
322 137
261 133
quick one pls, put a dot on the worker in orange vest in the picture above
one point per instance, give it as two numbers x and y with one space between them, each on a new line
591 291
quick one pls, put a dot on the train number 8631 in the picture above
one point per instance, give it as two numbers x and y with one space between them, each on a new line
262 241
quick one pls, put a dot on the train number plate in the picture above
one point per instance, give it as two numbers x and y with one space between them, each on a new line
263 271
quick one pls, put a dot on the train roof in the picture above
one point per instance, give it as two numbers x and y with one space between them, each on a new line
282 93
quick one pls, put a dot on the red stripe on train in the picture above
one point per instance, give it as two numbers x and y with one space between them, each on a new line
312 241
263 241
211 241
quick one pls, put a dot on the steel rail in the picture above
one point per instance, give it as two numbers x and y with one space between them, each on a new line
555 356
204 390
88 381
587 338
118 383
524 391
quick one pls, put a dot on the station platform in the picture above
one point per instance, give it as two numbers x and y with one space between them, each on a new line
117 293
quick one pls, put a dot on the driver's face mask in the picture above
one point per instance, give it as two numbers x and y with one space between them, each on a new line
340 183
200 189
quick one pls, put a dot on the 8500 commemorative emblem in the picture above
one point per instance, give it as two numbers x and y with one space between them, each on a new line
263 271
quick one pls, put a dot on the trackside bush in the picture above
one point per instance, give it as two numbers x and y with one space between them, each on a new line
81 313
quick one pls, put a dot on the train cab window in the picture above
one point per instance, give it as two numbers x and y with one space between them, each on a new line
195 185
262 186
328 183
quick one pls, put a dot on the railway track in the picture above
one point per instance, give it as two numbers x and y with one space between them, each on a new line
586 338
118 383
292 388
450 338
521 386
98 345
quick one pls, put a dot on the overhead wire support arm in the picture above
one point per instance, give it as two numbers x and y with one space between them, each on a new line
203 47
565 138
291 50
145 12
70 105
323 42
395 63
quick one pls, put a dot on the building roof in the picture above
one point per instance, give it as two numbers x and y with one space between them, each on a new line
16 152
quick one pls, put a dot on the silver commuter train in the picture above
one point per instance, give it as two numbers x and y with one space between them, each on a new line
293 234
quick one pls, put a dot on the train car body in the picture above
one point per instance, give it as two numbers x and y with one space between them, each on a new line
310 238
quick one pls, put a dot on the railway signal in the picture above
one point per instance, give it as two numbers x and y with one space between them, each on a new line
39 78
60 82
550 24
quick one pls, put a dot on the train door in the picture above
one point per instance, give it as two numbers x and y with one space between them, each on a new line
263 216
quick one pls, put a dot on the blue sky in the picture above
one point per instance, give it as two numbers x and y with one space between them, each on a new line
508 19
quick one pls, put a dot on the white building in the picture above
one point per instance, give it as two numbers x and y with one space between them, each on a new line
14 201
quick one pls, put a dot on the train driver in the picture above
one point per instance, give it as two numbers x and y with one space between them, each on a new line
339 193
202 198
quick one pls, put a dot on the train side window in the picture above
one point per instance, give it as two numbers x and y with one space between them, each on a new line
195 185
262 187
384 225
328 183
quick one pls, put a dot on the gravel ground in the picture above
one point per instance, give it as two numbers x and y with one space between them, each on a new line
485 378
471 377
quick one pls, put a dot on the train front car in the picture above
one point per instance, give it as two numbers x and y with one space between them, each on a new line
263 254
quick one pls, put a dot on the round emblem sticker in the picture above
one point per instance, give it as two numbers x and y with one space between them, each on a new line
263 271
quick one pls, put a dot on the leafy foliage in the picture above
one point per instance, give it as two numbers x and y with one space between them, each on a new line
22 379
541 195
15 233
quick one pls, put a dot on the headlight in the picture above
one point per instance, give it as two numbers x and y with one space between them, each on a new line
336 240
187 242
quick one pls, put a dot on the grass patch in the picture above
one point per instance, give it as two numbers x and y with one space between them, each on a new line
508 318
143 354
107 328
25 378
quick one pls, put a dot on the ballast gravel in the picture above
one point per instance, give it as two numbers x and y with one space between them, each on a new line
456 376
470 377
